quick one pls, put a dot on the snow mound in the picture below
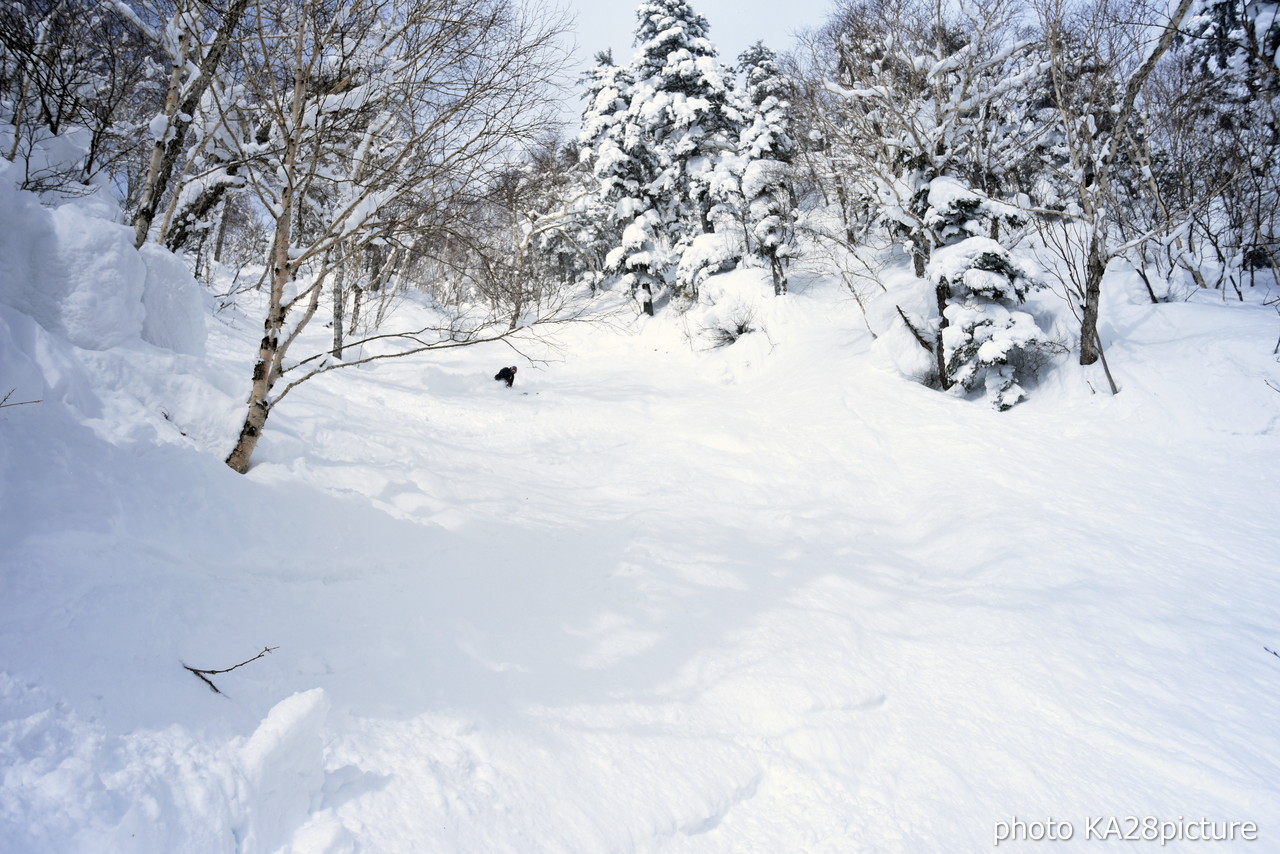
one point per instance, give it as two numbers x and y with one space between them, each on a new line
79 276
283 770
70 786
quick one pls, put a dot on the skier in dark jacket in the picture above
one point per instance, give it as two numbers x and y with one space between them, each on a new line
506 374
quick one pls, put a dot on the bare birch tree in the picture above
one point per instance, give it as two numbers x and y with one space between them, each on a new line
1101 55
194 35
380 115
72 66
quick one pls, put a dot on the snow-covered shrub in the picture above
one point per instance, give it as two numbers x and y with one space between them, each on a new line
705 255
726 327
985 336
641 258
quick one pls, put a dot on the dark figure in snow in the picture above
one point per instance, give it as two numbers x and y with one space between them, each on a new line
506 374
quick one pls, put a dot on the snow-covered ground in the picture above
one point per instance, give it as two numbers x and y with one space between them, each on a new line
770 597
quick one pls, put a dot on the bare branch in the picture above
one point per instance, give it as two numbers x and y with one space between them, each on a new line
4 402
205 674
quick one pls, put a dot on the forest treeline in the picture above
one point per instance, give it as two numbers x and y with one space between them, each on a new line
332 154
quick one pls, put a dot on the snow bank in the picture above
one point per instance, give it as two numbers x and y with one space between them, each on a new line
78 275
174 305
71 786
282 773
901 316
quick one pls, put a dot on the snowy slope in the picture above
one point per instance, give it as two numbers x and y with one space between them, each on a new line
764 598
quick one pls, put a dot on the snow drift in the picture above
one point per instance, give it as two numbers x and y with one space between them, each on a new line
657 596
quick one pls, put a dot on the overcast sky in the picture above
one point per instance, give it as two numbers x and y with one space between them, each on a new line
735 24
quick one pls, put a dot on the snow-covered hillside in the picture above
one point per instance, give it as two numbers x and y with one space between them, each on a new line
657 597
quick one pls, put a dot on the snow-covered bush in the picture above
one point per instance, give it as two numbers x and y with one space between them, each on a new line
984 335
730 306
726 327
706 255
640 259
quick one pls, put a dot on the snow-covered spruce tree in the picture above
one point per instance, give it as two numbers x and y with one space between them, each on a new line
605 91
985 337
626 167
682 103
766 147
656 133
982 336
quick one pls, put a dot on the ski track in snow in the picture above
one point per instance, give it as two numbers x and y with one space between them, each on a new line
764 598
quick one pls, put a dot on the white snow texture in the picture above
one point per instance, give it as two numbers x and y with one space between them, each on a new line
656 597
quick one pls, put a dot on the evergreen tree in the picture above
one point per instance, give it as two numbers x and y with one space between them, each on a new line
983 337
1239 39
656 134
617 179
767 148
626 167
683 114
607 92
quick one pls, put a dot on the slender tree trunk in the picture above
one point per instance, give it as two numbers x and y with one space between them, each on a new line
919 256
178 116
222 233
153 187
1106 369
268 348
357 299
17 118
382 282
518 296
1096 264
265 370
339 298
943 293
1146 280
850 236
1095 267
518 308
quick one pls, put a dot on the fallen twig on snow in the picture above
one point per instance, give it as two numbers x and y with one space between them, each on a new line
205 674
